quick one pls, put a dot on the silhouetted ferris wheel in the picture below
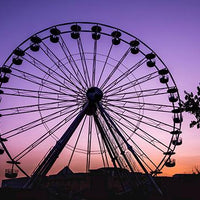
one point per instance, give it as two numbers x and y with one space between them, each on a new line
87 95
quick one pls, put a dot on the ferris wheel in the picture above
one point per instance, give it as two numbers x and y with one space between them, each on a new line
86 95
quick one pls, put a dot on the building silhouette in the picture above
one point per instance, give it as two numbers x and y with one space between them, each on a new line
103 183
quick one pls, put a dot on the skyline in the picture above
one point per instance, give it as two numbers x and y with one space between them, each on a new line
169 36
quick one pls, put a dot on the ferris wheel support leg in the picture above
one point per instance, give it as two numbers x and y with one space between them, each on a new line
121 149
144 169
116 140
106 142
109 148
50 159
102 110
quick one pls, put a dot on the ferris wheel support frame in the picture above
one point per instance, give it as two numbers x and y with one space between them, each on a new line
57 85
129 147
50 159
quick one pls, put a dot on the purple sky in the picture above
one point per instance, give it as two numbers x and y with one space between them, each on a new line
170 28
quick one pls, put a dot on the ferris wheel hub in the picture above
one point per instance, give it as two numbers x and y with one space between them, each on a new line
94 94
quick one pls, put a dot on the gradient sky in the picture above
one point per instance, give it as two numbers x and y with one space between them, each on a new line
170 28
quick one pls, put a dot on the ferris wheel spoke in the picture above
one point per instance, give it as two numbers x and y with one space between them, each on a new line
89 144
147 165
39 81
142 155
129 121
49 72
138 93
150 121
83 62
77 140
146 137
69 79
105 63
108 143
133 83
44 83
94 63
139 151
26 93
115 68
35 96
120 110
117 139
72 62
38 122
127 145
102 148
42 138
119 116
125 74
57 62
145 158
143 106
40 93
33 108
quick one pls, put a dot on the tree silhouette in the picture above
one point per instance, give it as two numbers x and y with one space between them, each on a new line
196 170
192 106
